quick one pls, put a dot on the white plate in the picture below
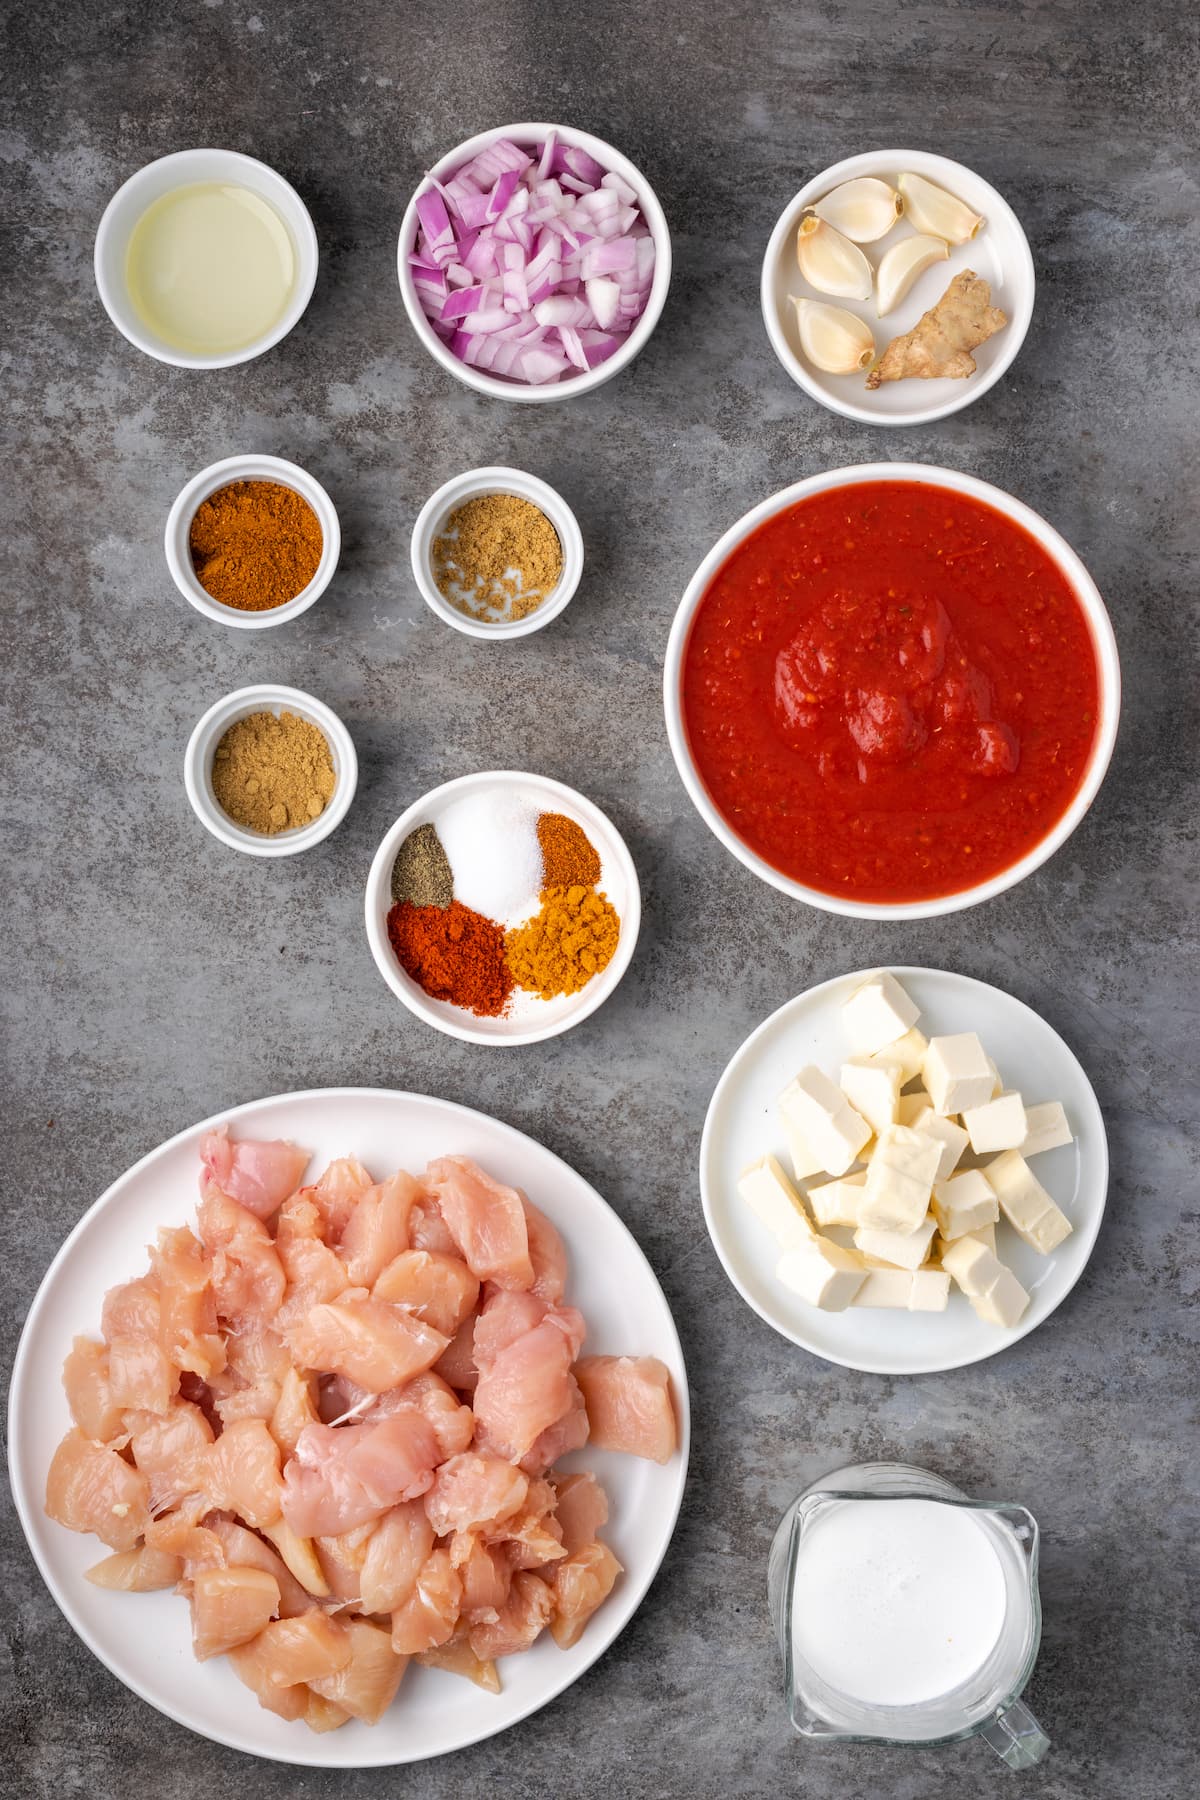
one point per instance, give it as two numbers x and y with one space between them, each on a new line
144 1638
529 1019
1000 253
742 1125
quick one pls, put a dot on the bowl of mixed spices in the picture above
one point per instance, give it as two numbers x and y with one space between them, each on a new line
497 553
252 541
503 908
270 771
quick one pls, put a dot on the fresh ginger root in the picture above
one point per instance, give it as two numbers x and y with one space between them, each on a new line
941 341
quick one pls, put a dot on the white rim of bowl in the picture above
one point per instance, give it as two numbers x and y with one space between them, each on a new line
1104 645
496 480
943 170
615 163
197 777
223 474
296 217
417 1001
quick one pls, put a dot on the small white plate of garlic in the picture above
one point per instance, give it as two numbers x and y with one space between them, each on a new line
860 258
904 1170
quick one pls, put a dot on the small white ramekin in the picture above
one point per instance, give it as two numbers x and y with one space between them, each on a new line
543 1018
431 520
219 475
499 386
1100 628
180 170
1000 253
198 762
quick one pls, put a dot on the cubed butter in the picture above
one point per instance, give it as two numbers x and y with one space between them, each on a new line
903 1250
772 1199
822 1273
825 1119
899 1180
963 1204
804 1161
872 1085
920 1290
957 1072
951 1138
983 1234
1025 1203
997 1125
837 1202
912 1108
997 1083
1005 1301
1046 1128
909 1052
974 1267
877 1013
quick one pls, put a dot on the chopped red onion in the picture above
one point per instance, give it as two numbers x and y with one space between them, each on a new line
535 265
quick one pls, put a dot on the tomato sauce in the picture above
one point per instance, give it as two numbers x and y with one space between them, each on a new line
890 691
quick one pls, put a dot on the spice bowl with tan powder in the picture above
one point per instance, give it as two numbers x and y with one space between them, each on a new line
253 521
497 553
226 747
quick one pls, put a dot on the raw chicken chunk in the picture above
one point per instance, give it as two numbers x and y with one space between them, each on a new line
89 1392
519 1622
259 1176
441 1290
629 1408
367 1685
428 1617
485 1219
91 1488
580 1585
374 1343
136 1571
229 1607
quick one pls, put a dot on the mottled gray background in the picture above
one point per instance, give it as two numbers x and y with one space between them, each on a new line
154 977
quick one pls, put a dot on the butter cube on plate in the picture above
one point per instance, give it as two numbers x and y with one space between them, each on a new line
993 1290
822 1273
899 1180
951 1137
982 1234
1005 1301
902 1250
919 1290
1025 1203
963 1204
908 1051
957 1073
825 1119
772 1199
837 1202
996 1125
804 1161
912 1108
877 1013
872 1085
1046 1128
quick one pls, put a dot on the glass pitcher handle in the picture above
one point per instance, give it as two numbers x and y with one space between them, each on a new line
1016 1736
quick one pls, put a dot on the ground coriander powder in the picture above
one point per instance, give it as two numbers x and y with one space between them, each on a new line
498 558
273 773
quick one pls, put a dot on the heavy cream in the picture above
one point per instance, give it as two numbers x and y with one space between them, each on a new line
897 1602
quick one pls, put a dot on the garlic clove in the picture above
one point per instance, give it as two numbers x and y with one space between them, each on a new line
830 262
900 266
931 208
862 210
832 338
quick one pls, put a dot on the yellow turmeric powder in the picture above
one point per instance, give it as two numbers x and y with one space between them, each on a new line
571 939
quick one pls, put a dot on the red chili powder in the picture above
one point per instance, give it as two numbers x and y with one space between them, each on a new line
454 954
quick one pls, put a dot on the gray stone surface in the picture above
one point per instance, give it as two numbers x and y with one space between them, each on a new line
153 977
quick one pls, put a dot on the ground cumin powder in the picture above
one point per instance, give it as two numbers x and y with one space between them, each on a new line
273 774
498 558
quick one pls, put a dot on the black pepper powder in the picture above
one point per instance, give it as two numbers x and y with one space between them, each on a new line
421 874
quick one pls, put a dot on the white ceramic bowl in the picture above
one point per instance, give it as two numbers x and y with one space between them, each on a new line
500 388
1103 641
431 520
219 475
529 1019
1000 253
198 761
180 170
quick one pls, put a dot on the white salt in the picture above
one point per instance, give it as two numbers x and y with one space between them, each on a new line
490 840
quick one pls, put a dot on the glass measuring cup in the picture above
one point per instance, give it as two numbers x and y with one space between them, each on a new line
985 1704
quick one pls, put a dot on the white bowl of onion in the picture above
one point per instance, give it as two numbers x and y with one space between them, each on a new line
868 254
545 326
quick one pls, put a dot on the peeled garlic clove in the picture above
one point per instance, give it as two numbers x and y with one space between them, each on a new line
831 263
900 266
832 338
862 210
932 209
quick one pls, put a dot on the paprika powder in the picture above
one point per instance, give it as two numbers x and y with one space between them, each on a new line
454 954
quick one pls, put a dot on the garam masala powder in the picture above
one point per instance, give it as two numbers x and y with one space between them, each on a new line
255 544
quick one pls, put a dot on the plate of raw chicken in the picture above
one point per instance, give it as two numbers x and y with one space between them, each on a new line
349 1428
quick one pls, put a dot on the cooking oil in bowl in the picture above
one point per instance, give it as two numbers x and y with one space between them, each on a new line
210 267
